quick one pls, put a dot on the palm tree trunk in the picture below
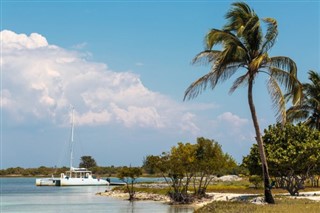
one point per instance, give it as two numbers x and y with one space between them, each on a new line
265 172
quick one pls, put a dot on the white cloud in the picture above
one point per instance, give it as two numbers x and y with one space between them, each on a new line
188 123
141 116
230 125
10 39
232 119
94 118
41 81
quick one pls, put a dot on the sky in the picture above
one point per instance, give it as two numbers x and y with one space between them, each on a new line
124 66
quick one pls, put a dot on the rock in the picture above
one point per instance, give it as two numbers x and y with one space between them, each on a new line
258 201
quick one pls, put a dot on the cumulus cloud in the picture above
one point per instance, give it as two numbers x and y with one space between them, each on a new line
21 41
188 124
237 127
232 119
41 81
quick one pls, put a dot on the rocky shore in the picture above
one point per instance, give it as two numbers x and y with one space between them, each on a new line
138 196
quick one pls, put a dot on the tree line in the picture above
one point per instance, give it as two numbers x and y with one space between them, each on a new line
49 171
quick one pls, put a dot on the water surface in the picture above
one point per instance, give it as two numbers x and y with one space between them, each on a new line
21 195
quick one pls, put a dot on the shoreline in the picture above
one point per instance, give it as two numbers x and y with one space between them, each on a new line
139 196
212 196
144 196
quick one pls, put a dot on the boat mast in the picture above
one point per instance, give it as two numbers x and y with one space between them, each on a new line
71 140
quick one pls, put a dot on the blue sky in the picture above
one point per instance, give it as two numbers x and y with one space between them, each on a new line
124 66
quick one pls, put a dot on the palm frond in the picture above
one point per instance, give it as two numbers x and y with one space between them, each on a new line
309 109
271 35
212 78
285 70
226 71
314 77
237 16
230 60
197 86
298 113
278 101
284 63
205 57
252 34
313 122
241 81
215 37
290 82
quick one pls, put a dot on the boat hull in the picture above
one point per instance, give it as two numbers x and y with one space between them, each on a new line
48 182
71 182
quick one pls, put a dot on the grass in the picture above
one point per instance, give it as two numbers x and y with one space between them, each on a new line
282 205
162 191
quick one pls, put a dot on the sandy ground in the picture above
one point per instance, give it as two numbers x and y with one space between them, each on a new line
307 195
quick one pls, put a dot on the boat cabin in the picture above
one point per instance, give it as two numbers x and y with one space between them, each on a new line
77 173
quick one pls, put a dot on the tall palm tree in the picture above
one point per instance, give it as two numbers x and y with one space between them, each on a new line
309 110
245 52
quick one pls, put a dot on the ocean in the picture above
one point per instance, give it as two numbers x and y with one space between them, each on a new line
21 195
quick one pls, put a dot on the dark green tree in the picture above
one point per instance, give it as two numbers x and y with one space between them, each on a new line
293 155
245 52
309 110
149 164
255 180
87 162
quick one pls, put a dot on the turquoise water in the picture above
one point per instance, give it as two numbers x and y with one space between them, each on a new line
21 195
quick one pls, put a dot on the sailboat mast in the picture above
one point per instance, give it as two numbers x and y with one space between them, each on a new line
71 139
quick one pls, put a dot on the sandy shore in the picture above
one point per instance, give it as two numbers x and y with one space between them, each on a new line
252 198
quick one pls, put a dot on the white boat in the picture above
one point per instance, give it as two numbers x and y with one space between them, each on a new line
80 177
75 176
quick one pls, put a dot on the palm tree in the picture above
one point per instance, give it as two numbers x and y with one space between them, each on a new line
245 51
309 110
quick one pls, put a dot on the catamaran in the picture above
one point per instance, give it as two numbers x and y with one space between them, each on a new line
75 176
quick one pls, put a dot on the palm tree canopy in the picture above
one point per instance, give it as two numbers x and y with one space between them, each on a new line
309 110
245 46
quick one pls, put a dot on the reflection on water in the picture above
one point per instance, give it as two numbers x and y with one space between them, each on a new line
21 195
